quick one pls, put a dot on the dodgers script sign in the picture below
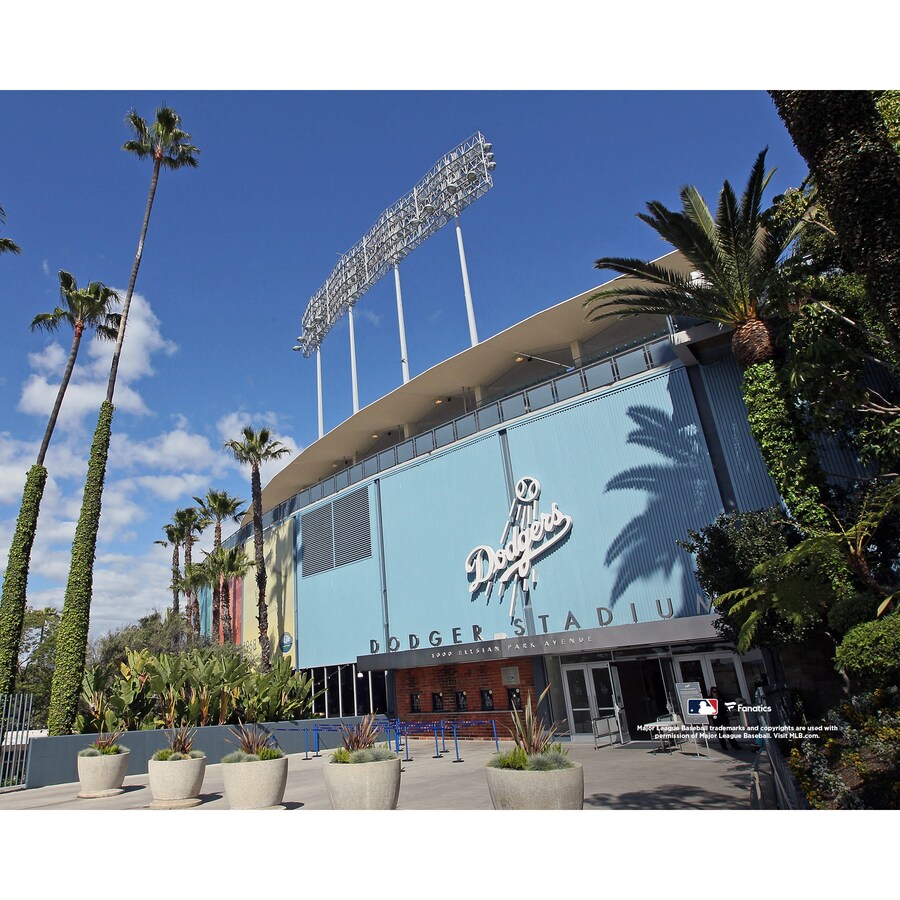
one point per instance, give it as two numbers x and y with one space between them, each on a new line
528 535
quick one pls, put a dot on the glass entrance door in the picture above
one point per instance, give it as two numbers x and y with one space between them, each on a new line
578 701
592 693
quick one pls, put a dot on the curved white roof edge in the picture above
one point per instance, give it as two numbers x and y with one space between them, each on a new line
558 325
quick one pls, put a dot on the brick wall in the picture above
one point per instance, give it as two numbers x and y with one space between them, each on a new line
471 678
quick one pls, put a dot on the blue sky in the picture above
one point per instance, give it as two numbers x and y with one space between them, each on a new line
287 180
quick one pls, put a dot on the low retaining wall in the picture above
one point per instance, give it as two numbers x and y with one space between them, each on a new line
53 760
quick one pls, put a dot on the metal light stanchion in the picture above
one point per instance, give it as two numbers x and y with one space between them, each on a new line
407 745
306 743
456 744
316 739
443 742
496 742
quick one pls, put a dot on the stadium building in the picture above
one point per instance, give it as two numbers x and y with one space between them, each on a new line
510 519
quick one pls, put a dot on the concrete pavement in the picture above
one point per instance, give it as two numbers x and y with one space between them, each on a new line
629 777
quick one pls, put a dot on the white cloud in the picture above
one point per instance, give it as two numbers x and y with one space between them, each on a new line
143 339
231 425
173 451
173 487
367 315
45 266
87 389
82 399
50 361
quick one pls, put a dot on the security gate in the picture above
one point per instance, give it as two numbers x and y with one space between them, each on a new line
15 725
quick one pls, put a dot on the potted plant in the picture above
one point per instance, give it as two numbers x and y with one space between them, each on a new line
537 773
360 775
176 772
255 775
102 766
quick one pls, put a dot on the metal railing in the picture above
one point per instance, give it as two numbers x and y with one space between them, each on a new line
15 725
787 790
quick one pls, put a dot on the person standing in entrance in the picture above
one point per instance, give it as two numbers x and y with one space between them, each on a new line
720 722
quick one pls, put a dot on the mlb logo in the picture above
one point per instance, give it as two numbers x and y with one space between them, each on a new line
703 707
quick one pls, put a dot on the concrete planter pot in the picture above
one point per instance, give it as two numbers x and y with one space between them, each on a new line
369 785
175 784
102 776
255 785
554 789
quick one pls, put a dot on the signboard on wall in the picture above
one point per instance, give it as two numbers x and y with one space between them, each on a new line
528 535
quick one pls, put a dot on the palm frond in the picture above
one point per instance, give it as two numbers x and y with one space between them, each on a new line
51 321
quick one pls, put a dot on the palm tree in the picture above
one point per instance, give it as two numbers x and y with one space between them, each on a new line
169 147
736 257
6 244
82 309
218 506
256 448
174 538
86 308
226 565
196 576
191 523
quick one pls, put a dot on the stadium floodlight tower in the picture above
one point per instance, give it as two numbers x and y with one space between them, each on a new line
455 181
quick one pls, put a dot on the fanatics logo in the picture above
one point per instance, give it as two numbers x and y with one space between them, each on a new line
703 707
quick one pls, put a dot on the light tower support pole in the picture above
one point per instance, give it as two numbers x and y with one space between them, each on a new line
404 360
319 380
470 312
353 362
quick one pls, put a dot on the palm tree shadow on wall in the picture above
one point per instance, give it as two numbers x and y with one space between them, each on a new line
644 546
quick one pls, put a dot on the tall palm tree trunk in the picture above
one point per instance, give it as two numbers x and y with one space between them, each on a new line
71 644
67 375
176 577
15 581
262 606
71 641
126 305
226 612
216 587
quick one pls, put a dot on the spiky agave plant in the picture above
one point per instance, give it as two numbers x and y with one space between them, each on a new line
529 730
256 741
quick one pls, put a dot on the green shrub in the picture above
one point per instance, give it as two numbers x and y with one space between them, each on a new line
265 753
380 754
196 754
847 612
516 758
341 755
550 761
239 756
163 755
368 754
89 751
112 749
870 652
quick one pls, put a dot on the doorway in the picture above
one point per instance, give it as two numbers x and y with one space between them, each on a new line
593 694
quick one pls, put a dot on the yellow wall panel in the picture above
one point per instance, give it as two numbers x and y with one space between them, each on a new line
278 550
